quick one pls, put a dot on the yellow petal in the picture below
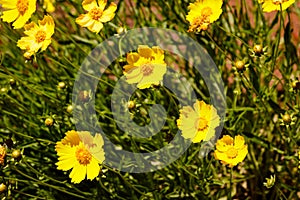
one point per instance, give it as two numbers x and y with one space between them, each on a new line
66 164
132 58
84 20
96 27
9 4
20 22
93 169
45 44
89 4
145 51
78 173
71 138
10 15
134 75
109 13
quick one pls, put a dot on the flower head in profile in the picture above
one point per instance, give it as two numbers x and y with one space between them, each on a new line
82 153
231 151
202 13
38 36
18 11
48 5
97 14
146 67
198 123
272 5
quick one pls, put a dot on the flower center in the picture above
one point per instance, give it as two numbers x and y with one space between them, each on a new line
201 124
201 22
83 156
40 36
232 153
206 11
22 6
96 13
277 2
147 69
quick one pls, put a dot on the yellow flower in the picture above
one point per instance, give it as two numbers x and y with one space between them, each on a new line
202 13
198 123
48 5
231 151
272 5
96 15
146 67
82 152
19 11
38 36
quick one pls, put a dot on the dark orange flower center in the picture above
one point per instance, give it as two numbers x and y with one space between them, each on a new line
201 124
201 22
83 156
40 36
22 6
96 13
232 153
147 69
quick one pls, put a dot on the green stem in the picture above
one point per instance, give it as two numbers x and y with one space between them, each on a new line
230 195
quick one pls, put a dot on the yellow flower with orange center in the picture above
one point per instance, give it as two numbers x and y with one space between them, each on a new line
146 67
82 153
272 5
97 15
198 123
19 11
231 151
38 36
202 13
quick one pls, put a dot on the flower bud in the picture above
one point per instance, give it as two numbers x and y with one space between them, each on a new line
286 118
49 122
131 104
258 49
2 188
240 65
121 30
61 85
69 108
16 154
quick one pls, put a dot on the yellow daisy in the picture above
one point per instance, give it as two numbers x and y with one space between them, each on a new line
231 151
82 152
146 67
272 5
198 123
202 13
19 11
38 36
96 15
